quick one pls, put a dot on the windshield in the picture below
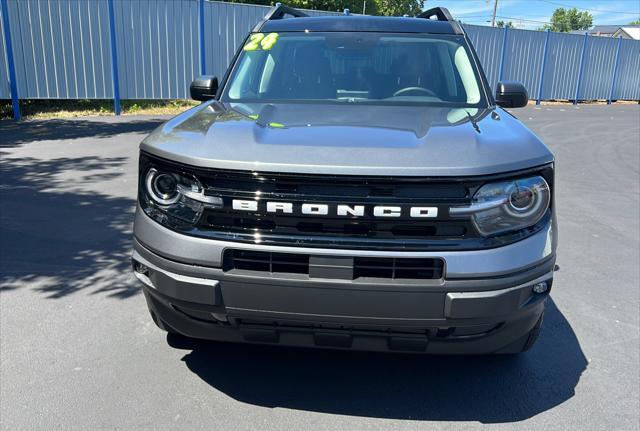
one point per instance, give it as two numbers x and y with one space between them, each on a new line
355 67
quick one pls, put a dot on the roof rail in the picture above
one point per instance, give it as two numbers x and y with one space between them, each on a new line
442 13
279 11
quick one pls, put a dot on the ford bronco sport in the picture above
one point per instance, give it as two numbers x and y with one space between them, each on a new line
352 183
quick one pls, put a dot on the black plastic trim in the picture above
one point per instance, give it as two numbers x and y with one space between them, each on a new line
447 284
279 12
442 13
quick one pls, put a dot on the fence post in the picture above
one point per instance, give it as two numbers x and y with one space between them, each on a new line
542 67
503 55
15 102
581 67
203 59
114 60
615 71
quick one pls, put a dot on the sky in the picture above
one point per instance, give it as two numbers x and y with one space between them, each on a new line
532 14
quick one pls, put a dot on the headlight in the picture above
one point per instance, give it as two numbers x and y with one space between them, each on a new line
162 188
507 205
169 197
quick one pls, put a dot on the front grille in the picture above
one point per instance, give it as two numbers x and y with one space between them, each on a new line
286 263
304 226
330 230
365 231
362 267
398 268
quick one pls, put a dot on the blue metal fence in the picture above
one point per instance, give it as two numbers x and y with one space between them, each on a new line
157 47
5 93
628 76
552 65
152 49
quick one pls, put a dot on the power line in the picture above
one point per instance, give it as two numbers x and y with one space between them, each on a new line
488 18
589 10
523 19
504 17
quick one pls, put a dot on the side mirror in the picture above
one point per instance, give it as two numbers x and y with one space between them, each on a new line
511 94
204 88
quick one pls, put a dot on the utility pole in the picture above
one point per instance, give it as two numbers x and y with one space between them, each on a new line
495 10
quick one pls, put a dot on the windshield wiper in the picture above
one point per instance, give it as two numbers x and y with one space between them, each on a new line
473 121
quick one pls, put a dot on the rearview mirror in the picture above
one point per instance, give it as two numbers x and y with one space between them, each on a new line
204 88
511 94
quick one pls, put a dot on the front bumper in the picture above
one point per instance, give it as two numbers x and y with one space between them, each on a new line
484 303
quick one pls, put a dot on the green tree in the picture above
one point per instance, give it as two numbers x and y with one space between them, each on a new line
355 6
502 24
636 22
399 7
566 20
373 7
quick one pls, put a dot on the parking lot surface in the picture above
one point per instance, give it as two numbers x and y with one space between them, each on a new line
78 349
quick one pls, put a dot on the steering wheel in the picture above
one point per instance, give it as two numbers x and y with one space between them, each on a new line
416 90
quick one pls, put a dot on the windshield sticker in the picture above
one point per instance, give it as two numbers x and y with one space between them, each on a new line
268 42
259 41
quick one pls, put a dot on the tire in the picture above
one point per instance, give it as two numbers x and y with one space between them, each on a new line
159 323
533 334
181 342
525 342
174 338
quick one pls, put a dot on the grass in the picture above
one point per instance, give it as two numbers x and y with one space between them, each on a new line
582 102
43 109
52 108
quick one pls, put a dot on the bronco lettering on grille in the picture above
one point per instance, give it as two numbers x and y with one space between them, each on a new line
341 210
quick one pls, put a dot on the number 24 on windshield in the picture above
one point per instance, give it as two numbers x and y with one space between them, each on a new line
261 41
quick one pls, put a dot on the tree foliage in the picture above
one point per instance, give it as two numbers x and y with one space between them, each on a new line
566 20
399 7
373 7
502 24
636 22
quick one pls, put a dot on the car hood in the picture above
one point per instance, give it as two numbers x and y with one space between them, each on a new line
349 139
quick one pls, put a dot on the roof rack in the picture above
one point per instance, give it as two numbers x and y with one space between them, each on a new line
442 13
279 11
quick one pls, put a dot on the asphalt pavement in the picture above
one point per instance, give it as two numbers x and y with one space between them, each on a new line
78 349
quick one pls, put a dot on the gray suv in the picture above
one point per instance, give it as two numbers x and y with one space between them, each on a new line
351 183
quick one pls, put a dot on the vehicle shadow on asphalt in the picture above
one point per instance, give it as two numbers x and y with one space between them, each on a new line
488 389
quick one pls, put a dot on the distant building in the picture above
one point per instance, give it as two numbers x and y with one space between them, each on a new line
628 32
624 31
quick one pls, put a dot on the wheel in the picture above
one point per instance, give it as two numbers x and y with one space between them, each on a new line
181 342
174 338
525 342
533 334
159 323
